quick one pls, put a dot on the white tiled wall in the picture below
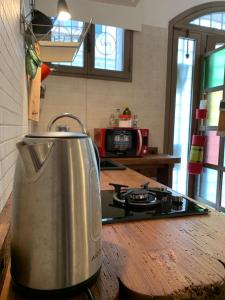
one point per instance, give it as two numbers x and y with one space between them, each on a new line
94 100
13 95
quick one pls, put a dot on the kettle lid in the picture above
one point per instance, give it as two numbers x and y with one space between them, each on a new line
63 133
57 134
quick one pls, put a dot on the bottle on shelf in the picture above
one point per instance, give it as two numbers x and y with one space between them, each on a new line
127 111
135 121
125 118
112 121
117 117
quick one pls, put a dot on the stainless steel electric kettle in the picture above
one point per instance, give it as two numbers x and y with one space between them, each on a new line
56 224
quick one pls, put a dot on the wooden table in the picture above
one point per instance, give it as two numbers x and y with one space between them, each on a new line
157 166
177 258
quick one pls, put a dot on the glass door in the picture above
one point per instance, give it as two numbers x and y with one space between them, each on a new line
186 61
212 180
183 112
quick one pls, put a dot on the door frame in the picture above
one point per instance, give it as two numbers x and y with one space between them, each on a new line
180 24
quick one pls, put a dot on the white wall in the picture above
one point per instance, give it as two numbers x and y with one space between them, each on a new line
13 97
160 12
94 100
150 12
108 14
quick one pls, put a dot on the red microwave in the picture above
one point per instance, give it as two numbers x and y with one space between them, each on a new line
114 142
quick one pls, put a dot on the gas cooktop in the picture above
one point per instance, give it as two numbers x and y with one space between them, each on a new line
127 204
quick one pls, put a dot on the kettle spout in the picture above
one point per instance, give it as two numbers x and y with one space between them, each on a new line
34 156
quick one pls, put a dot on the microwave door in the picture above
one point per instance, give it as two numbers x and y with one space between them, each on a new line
121 143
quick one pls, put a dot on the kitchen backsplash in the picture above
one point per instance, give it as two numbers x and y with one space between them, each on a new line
13 95
94 100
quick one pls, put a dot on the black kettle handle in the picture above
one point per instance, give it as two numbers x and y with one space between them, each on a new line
97 158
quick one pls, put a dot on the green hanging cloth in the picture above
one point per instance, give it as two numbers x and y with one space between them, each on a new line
32 61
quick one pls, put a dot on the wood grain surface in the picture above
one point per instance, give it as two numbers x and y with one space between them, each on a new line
5 217
126 177
34 97
181 258
157 166
177 258
150 159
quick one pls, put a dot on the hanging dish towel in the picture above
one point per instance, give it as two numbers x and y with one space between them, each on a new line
32 61
195 164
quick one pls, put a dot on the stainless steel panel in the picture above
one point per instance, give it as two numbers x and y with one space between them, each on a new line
56 229
57 134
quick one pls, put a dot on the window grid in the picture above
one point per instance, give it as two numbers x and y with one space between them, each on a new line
213 20
116 66
109 48
69 31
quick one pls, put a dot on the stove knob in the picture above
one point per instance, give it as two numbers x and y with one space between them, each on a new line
177 199
166 204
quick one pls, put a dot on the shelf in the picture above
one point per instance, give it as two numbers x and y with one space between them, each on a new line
59 41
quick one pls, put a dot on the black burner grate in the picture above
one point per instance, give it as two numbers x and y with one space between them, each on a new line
127 204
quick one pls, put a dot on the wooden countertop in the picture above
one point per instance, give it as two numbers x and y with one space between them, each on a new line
177 258
126 177
150 159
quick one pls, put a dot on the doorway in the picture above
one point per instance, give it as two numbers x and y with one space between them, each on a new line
191 35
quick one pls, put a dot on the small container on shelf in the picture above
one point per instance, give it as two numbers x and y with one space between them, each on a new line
125 121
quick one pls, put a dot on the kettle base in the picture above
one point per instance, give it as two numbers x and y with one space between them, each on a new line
58 293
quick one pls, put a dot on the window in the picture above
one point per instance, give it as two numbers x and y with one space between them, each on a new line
109 46
214 20
69 31
106 53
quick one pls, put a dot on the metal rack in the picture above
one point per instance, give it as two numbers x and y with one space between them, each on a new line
59 42
63 42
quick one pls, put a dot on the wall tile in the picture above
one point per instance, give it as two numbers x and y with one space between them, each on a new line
94 100
13 95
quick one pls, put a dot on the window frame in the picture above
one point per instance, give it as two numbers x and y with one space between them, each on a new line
88 71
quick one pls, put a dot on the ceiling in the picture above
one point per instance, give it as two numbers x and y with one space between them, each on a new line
119 2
